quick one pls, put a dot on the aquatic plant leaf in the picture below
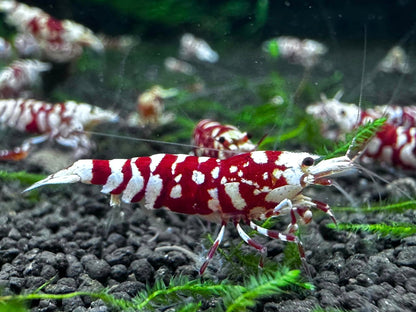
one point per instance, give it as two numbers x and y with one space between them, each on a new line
265 285
357 141
22 176
13 305
396 207
396 229
234 297
273 48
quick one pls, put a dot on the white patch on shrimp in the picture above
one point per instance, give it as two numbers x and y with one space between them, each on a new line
11 114
407 155
401 137
387 154
7 108
198 177
54 119
374 146
155 161
289 159
42 122
180 158
25 119
116 177
203 159
82 168
278 194
214 132
233 191
176 191
215 172
233 169
135 184
277 173
178 178
250 182
259 157
213 203
211 124
153 190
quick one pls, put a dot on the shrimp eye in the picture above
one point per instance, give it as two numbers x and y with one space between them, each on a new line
308 161
249 136
221 140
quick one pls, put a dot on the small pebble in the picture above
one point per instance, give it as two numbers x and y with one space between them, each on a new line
96 268
142 270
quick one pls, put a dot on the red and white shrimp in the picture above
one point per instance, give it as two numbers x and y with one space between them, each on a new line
59 41
27 46
150 107
5 49
306 52
394 143
62 122
175 65
243 188
119 43
19 76
395 61
213 139
192 47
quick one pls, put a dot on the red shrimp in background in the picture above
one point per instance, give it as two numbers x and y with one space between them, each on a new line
394 143
62 122
213 139
59 41
150 108
19 76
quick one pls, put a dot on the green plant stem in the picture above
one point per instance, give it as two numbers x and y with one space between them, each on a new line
36 296
194 288
397 207
400 230
262 288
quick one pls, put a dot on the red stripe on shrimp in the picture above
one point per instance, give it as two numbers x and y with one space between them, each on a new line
127 175
143 166
100 171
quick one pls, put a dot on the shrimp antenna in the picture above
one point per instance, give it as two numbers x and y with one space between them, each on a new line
363 68
261 140
123 137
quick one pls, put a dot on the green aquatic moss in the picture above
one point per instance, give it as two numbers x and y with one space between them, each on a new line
357 140
182 293
390 208
396 229
22 176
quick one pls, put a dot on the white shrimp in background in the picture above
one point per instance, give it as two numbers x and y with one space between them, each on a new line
59 41
17 78
64 123
192 47
394 143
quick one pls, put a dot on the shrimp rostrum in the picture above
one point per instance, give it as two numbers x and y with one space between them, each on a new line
241 189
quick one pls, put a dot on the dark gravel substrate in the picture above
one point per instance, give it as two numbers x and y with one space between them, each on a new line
69 236
66 236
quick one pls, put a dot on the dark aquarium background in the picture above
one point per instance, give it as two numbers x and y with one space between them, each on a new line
242 19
